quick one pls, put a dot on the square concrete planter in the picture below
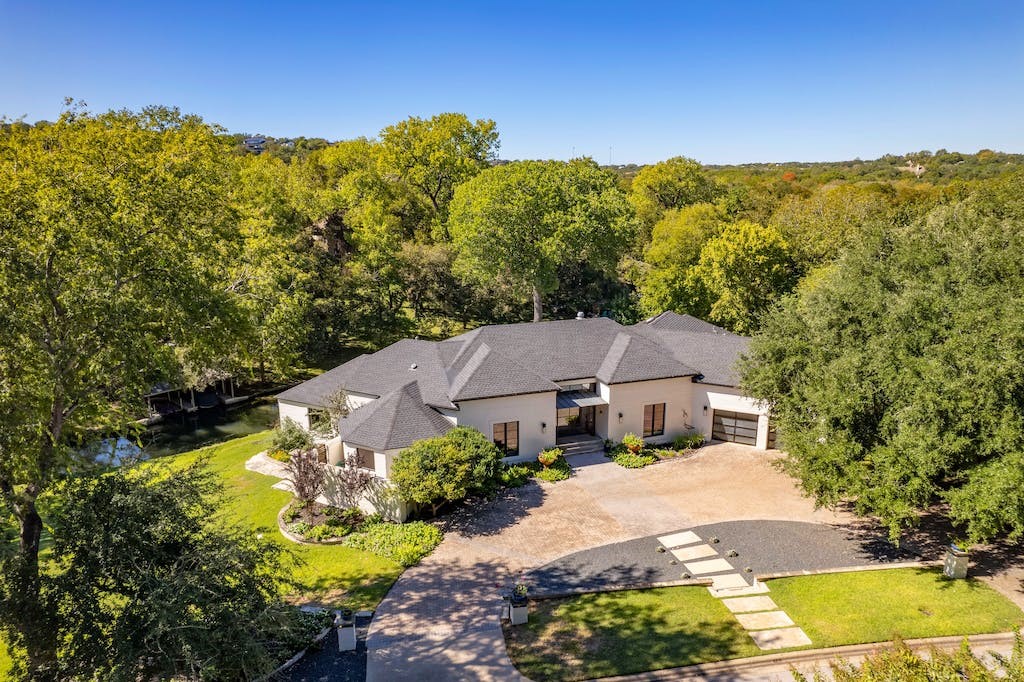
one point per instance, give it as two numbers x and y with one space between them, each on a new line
519 614
956 563
346 630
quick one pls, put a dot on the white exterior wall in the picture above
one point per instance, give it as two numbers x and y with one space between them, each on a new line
630 399
707 398
297 413
531 411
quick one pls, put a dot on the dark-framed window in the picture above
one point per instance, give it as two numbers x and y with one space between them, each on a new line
654 420
364 458
506 437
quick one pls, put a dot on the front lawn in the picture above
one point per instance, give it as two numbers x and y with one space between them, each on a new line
874 606
332 575
618 633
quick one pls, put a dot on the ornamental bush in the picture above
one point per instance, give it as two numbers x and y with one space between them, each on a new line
289 436
633 461
403 543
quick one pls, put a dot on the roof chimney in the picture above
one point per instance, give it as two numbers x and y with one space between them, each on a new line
580 315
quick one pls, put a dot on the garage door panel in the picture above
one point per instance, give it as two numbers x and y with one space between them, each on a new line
734 427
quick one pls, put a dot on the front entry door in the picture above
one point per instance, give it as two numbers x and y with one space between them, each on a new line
587 419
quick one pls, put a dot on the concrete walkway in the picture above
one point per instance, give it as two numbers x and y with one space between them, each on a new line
440 619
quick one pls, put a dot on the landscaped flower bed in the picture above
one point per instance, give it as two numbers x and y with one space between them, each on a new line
515 475
403 543
634 453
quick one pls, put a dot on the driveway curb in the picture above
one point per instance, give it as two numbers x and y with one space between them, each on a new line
727 669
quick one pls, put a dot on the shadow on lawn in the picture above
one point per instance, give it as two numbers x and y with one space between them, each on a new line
617 633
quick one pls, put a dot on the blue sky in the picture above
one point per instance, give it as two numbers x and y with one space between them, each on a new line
723 82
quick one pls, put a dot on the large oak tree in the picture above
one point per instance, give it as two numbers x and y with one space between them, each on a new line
107 224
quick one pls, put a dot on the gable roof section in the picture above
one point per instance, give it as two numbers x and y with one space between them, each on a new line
396 421
634 358
485 373
675 322
381 373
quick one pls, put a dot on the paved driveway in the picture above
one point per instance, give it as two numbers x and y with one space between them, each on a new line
440 619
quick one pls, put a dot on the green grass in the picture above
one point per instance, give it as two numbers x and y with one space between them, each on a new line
332 575
618 633
875 606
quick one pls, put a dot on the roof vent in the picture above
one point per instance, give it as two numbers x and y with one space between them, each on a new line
413 366
580 315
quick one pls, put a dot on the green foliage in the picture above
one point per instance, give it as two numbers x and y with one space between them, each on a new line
744 270
516 475
664 276
559 470
519 222
549 456
691 442
279 455
894 374
403 543
633 460
447 468
143 582
633 443
670 184
900 662
289 436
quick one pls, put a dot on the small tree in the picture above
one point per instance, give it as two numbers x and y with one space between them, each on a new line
433 472
307 477
481 451
353 481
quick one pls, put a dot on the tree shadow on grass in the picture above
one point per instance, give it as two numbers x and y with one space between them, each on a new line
624 632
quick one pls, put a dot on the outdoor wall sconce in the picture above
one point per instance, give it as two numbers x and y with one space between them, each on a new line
705 409
620 417
543 427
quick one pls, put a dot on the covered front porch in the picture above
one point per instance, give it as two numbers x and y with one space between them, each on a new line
581 415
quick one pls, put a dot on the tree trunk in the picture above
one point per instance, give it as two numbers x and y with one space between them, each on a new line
538 308
28 614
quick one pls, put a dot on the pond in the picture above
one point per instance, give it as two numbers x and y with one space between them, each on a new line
188 432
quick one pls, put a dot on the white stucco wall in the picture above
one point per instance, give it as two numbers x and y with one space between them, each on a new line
531 411
297 413
730 399
630 399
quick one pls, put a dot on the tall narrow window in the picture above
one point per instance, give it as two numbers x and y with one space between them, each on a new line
506 437
654 420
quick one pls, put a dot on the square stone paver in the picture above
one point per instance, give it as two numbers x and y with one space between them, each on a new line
783 638
694 552
687 537
745 604
764 620
709 566
734 585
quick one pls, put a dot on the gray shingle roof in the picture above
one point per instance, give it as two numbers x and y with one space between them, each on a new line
700 344
411 377
396 421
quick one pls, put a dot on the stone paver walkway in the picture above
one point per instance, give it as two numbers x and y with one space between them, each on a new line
770 628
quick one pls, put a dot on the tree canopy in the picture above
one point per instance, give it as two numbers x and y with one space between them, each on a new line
674 183
519 222
894 374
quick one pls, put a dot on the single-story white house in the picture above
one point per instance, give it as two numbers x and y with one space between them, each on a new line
531 386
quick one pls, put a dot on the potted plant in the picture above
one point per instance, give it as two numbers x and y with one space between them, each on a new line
519 605
346 624
549 456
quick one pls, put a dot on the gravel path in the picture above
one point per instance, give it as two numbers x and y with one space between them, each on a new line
765 546
327 663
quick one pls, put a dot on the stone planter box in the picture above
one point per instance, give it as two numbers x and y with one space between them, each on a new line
519 614
346 630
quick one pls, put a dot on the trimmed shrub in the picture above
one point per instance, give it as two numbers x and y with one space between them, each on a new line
403 543
691 442
633 461
516 475
289 436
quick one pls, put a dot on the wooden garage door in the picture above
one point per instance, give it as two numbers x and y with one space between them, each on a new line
735 427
